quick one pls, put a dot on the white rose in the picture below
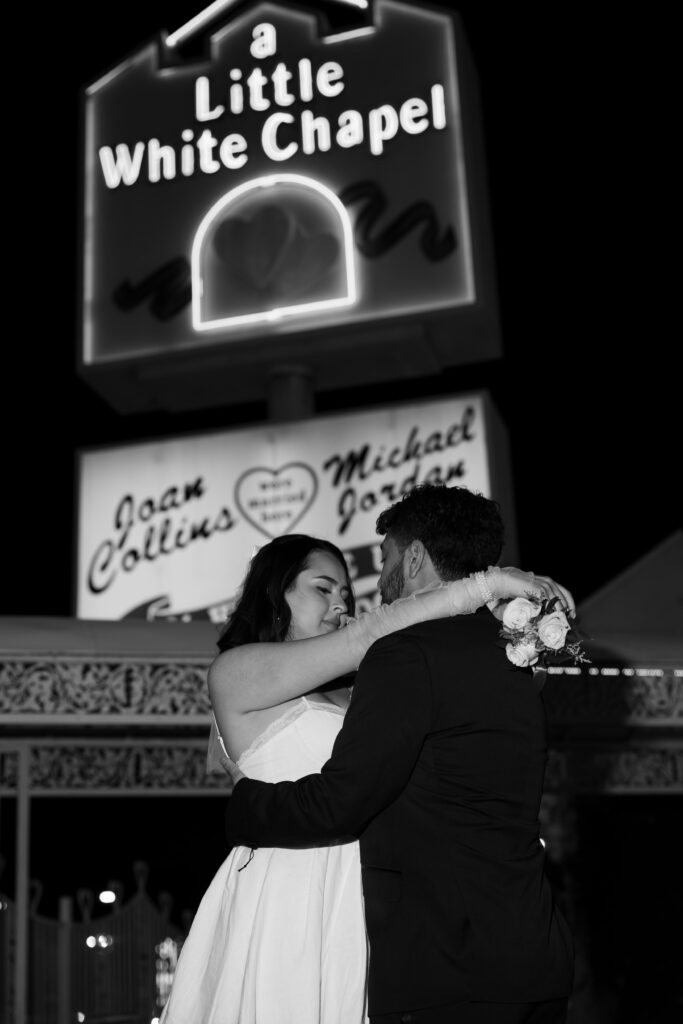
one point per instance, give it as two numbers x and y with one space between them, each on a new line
519 613
552 630
522 655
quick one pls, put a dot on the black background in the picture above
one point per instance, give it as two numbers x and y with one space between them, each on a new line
577 127
574 109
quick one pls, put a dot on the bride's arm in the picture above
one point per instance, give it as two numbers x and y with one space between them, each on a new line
253 677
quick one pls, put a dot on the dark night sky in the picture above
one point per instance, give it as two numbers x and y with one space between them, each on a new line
579 203
586 385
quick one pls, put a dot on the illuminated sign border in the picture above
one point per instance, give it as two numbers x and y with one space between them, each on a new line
314 315
269 182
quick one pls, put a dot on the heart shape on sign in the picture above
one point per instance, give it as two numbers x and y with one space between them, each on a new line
274 500
273 256
255 250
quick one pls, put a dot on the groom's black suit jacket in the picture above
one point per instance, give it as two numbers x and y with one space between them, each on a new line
438 769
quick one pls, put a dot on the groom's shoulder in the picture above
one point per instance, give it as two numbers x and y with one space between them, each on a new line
453 646
481 627
478 623
462 642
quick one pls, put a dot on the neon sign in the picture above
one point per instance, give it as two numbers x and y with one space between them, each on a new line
283 135
183 245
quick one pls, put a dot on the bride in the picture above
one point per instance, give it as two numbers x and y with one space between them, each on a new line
279 936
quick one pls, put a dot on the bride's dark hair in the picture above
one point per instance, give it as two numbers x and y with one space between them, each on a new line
261 613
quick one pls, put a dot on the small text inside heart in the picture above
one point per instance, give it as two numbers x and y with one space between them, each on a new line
274 500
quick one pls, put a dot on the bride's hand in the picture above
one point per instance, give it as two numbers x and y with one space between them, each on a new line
232 770
509 582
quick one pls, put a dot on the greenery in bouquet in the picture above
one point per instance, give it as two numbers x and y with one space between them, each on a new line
538 633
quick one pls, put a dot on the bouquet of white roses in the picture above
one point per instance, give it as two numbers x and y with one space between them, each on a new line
538 631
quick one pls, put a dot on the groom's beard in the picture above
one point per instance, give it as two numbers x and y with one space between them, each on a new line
392 587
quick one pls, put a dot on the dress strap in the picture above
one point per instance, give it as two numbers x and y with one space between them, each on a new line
215 751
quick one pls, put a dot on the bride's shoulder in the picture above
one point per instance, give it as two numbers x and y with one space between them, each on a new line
224 667
236 667
220 662
233 656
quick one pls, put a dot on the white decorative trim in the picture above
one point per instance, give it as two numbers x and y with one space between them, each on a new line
66 689
615 731
118 767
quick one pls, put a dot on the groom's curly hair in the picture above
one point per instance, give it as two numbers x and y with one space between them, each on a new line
461 529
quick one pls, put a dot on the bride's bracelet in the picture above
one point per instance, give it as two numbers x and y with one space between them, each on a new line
484 589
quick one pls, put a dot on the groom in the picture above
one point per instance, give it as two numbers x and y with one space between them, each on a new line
438 769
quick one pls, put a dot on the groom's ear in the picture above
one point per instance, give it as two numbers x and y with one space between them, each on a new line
414 559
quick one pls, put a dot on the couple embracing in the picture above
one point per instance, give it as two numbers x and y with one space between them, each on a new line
386 858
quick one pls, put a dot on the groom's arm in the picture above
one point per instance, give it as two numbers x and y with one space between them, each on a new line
371 761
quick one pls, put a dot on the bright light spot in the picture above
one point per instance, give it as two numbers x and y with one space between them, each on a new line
352 33
542 840
155 1020
80 1017
107 896
197 22
192 26
104 941
91 942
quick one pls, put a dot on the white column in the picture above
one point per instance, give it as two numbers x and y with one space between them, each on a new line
64 961
21 897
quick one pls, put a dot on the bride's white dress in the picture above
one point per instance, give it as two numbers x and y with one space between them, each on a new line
279 936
